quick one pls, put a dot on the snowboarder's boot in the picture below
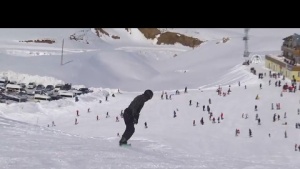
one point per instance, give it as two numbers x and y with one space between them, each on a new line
123 141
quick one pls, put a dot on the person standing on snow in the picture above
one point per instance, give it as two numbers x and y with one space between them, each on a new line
132 113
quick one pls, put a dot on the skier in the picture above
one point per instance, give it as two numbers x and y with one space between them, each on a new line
256 117
76 122
239 83
194 123
100 101
296 147
208 108
77 113
214 120
285 134
97 117
53 124
255 107
203 107
107 115
222 116
245 87
260 86
299 148
174 114
88 110
197 104
117 119
202 121
250 133
272 106
209 101
132 113
284 114
185 90
121 114
258 121
274 117
218 119
269 82
146 126
190 102
106 97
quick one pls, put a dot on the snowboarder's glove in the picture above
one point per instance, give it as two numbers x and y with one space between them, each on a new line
135 121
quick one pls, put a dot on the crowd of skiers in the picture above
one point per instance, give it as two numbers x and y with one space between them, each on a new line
215 117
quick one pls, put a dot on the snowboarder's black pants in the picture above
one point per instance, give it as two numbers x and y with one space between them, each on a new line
128 119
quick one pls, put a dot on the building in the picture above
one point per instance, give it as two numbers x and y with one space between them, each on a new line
288 63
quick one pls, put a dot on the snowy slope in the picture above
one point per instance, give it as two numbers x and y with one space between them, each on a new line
168 142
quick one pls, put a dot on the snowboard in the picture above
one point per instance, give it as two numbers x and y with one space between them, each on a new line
125 145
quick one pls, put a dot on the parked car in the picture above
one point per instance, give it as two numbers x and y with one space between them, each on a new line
31 85
85 90
49 88
23 85
39 89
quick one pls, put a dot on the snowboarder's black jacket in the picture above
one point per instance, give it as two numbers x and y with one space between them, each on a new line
137 104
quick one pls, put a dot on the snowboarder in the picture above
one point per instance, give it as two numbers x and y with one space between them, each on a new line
132 113
209 101
146 126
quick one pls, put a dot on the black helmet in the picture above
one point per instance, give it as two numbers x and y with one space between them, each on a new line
149 94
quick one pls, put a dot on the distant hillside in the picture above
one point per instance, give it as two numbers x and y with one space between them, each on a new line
159 37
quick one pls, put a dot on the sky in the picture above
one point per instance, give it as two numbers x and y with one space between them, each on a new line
134 65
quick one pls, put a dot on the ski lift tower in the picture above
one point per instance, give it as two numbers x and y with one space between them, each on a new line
245 38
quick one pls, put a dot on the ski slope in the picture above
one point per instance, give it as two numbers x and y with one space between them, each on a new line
168 142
